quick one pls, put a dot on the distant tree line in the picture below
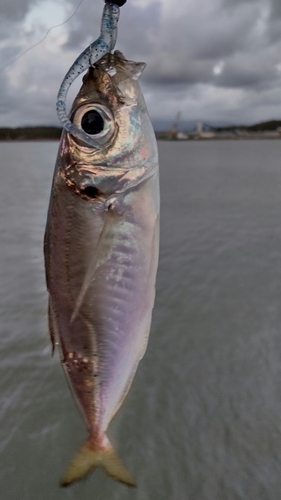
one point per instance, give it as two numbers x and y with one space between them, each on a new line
259 127
29 133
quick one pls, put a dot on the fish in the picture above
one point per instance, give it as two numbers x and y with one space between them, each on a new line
101 250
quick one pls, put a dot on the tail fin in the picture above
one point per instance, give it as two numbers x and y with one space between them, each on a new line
93 455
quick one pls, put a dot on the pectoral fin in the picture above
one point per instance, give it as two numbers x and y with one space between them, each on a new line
93 266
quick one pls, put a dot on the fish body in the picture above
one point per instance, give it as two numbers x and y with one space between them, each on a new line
101 251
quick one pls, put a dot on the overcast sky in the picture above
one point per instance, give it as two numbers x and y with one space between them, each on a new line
210 59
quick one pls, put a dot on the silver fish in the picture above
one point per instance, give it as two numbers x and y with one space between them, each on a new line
101 251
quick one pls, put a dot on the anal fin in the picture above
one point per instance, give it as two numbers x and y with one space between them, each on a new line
52 329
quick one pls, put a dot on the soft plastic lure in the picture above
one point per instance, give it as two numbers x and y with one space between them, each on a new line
103 45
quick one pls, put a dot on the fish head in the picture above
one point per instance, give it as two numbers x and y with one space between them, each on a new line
110 108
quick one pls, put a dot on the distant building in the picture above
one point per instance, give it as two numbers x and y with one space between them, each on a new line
182 136
199 127
207 135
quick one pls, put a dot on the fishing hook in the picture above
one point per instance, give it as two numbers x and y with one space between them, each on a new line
96 50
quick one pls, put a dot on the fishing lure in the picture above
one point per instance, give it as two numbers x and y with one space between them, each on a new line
93 53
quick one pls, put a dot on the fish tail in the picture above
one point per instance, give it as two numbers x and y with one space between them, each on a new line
97 454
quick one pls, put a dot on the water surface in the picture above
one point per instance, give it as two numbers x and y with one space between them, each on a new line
203 419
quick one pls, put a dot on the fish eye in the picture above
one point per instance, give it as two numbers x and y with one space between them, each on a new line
96 120
92 122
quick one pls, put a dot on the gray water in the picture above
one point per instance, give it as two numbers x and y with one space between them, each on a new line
203 419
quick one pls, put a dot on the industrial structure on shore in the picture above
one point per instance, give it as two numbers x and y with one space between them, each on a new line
203 131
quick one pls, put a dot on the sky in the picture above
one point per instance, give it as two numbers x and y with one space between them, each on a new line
212 60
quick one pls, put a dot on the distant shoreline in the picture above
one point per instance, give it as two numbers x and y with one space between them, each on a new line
257 137
30 133
262 131
28 139
162 139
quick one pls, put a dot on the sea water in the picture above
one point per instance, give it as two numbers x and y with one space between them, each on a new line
203 418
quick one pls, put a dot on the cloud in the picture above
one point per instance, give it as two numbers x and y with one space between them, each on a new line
219 58
138 27
275 9
15 9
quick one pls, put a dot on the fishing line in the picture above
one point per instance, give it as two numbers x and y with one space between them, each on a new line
44 38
